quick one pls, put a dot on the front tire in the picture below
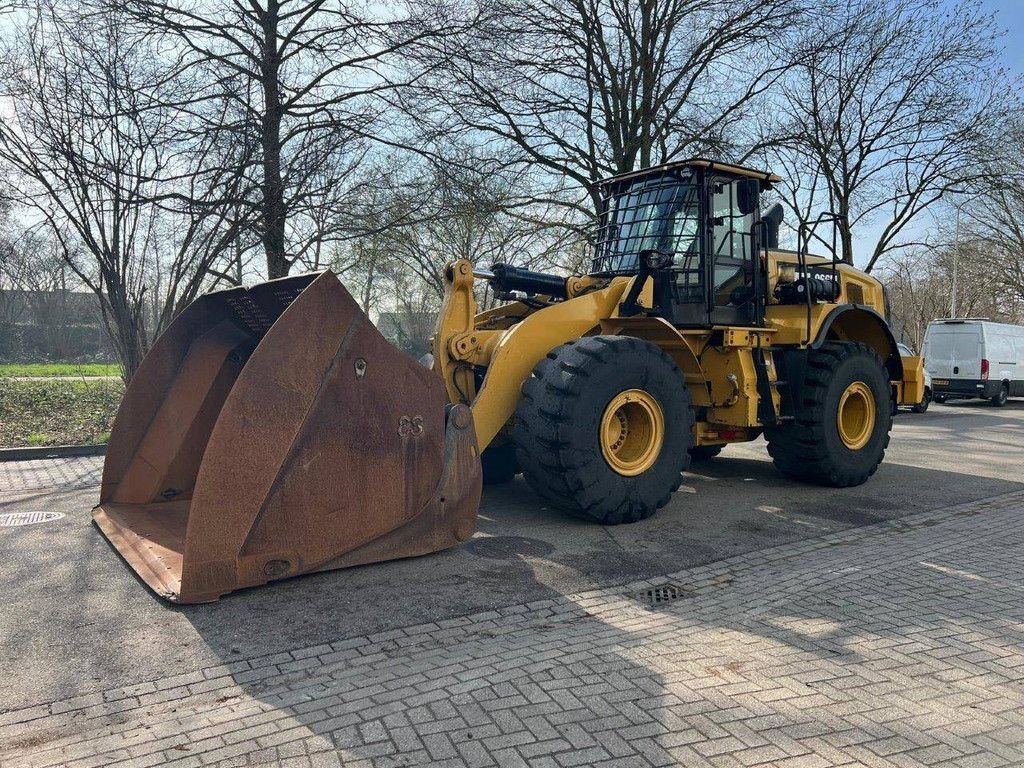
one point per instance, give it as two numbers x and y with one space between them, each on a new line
999 400
603 428
842 426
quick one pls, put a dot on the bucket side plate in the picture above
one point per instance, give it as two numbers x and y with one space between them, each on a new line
329 448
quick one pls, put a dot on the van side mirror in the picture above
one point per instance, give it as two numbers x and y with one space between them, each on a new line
748 192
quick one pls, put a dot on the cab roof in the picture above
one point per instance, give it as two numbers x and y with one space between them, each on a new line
767 178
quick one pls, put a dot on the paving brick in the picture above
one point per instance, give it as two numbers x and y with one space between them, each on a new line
889 650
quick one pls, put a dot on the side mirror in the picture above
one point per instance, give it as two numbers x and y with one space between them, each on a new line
748 193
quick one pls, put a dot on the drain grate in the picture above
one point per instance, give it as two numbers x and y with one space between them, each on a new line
12 519
665 593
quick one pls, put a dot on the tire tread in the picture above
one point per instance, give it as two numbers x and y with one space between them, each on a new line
543 430
798 449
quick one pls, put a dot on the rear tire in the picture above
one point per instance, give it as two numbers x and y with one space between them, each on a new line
561 428
701 453
813 448
1000 399
923 405
940 399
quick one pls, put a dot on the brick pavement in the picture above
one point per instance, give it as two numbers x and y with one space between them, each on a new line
898 644
73 473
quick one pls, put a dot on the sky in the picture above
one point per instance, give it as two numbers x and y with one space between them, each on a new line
1010 14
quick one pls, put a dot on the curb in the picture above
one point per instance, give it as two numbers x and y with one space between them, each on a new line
51 452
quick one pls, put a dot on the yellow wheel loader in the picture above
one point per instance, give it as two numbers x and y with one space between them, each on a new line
272 431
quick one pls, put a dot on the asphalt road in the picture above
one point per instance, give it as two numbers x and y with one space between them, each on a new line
76 620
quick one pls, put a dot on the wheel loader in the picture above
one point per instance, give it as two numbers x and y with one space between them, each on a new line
272 431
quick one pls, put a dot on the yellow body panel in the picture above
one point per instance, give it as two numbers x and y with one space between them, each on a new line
506 343
911 387
790 320
682 346
733 386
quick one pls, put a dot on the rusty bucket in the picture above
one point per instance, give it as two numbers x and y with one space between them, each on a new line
272 431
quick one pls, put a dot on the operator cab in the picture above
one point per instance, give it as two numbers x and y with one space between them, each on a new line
695 227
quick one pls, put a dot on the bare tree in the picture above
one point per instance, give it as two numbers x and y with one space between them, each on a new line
297 81
88 131
1000 231
891 105
918 292
583 89
16 272
919 283
445 213
41 282
994 219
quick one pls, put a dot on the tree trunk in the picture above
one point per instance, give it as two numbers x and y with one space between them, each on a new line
646 116
124 330
846 251
273 213
845 234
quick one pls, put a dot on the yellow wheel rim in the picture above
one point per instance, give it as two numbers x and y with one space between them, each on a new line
632 432
856 415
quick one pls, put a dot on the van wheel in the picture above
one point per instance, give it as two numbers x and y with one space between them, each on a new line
939 398
923 405
603 428
1000 399
842 426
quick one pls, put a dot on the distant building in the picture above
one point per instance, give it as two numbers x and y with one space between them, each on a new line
37 326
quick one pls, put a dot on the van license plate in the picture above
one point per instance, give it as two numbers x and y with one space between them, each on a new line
942 381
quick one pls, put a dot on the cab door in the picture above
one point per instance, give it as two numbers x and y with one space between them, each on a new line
733 265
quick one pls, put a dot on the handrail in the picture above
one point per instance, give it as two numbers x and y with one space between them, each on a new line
807 231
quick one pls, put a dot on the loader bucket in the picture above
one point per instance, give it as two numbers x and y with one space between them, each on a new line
273 431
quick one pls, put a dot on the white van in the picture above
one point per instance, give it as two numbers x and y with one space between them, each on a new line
975 358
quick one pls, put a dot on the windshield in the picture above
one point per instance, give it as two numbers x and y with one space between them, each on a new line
657 213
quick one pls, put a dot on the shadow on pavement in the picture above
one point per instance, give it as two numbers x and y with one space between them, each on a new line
78 621
852 623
